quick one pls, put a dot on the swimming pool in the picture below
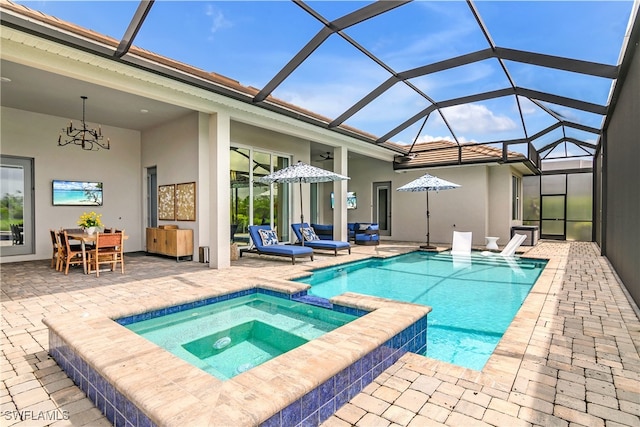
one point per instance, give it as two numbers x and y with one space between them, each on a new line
474 298
230 337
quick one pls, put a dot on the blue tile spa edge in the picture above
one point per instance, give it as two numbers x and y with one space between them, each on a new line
320 403
311 409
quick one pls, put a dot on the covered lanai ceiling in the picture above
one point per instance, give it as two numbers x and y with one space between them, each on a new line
527 79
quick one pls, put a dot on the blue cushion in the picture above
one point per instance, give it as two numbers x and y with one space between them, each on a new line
287 250
323 231
327 244
254 232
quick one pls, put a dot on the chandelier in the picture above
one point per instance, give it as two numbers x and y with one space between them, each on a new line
87 138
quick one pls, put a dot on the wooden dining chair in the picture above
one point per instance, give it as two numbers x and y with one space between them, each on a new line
55 243
109 249
72 254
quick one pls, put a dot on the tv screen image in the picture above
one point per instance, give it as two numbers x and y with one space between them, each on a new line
77 193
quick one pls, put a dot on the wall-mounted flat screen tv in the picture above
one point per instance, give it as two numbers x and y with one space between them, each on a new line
352 201
77 193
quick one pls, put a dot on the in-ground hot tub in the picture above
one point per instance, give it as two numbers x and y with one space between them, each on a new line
133 381
230 337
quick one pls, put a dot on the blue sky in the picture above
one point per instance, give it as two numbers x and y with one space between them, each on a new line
251 41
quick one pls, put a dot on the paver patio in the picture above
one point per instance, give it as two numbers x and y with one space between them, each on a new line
572 353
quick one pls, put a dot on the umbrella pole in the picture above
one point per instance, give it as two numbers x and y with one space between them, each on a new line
428 245
301 214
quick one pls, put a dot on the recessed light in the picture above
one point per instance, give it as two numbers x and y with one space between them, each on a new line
143 111
5 79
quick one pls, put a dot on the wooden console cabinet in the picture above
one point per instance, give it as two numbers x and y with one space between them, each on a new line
174 242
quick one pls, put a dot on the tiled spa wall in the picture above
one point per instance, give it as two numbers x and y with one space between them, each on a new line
312 409
323 401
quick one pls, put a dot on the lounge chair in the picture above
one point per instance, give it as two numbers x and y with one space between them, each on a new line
513 244
307 234
265 242
461 249
461 243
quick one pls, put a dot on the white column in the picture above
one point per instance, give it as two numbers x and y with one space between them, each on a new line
219 190
340 166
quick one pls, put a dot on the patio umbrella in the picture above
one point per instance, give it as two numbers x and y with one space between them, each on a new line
301 172
428 183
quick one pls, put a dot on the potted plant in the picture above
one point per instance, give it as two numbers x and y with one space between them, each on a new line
90 222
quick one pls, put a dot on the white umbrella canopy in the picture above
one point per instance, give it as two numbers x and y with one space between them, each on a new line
301 172
428 183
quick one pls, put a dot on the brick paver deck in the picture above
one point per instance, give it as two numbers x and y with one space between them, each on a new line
580 362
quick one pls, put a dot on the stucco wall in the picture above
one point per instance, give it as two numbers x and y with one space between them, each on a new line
500 197
475 206
173 149
33 135
622 175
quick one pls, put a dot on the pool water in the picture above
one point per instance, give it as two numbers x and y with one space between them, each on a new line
474 298
231 337
238 349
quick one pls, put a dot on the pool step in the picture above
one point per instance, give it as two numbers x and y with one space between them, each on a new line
314 300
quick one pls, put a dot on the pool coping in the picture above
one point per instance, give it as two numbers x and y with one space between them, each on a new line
177 393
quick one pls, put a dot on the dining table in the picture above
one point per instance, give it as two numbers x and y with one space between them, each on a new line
85 238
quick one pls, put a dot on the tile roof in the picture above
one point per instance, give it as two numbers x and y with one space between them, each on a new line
442 152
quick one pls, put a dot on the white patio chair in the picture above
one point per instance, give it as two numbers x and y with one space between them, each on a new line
461 243
513 244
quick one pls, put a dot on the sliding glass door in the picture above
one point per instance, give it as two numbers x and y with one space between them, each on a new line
16 206
253 202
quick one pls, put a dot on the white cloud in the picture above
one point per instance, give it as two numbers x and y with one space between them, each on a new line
218 20
475 118
527 106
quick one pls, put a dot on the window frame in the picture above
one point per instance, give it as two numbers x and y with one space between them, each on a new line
516 198
28 213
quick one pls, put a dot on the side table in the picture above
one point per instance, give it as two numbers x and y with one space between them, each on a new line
492 242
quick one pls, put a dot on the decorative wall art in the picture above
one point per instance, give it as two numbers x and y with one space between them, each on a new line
76 193
167 202
186 201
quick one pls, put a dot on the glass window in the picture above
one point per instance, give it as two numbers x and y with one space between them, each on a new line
553 184
580 196
579 230
553 207
16 206
531 194
516 197
253 202
261 192
240 183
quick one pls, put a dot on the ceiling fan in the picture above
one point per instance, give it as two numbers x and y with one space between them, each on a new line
327 156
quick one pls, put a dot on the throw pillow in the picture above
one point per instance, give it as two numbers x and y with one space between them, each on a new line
364 227
309 234
269 237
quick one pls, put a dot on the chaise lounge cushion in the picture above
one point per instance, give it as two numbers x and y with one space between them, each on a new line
334 245
323 231
279 249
